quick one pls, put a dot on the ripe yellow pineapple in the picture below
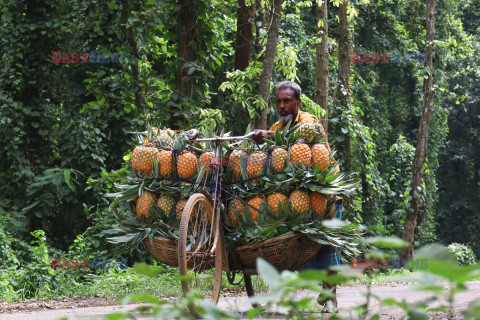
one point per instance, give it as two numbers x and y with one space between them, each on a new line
318 203
256 203
144 203
300 201
187 165
320 156
166 168
166 203
180 206
255 163
275 199
311 131
235 161
142 159
205 159
300 153
236 207
278 159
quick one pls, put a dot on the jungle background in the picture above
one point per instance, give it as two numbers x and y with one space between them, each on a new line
65 127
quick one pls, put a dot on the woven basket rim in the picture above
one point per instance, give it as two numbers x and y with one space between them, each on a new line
159 239
270 242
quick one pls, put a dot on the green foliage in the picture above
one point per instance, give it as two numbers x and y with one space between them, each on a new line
7 255
243 86
399 161
463 254
36 278
65 127
210 119
118 283
285 286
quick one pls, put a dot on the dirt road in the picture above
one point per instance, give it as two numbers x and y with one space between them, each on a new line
348 297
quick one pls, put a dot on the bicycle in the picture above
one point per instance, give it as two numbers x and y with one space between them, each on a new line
202 238
201 242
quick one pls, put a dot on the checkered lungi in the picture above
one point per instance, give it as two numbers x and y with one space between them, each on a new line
327 256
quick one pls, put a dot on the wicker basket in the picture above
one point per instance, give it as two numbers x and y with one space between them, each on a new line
166 251
287 252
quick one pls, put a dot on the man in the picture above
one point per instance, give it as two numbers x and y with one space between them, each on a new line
288 101
287 98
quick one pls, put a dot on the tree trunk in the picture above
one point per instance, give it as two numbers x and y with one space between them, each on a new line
422 140
342 94
261 20
342 91
187 35
260 121
244 41
322 60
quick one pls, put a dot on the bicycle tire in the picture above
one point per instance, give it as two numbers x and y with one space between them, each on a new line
198 244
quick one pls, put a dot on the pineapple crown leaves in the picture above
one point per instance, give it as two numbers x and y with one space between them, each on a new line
178 143
141 139
150 132
243 167
246 143
337 233
337 183
128 231
285 137
126 192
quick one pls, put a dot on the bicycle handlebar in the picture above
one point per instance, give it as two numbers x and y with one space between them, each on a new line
219 139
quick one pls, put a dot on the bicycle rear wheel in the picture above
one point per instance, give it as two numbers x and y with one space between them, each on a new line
198 247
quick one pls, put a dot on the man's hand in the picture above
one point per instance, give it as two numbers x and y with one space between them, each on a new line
259 135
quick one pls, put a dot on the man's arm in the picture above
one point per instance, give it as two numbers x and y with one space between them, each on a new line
259 135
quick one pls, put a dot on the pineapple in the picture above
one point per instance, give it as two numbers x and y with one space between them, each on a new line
166 203
300 201
275 199
235 161
255 163
164 138
144 203
165 159
142 159
320 156
300 153
278 159
311 131
180 206
256 203
236 207
187 165
318 202
205 160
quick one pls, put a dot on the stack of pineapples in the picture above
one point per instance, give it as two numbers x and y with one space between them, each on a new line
295 174
162 157
288 183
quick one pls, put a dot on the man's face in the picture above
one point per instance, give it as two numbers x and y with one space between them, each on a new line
287 105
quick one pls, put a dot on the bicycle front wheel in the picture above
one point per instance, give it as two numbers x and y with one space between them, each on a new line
199 248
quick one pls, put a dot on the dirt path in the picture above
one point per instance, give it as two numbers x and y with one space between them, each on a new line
348 297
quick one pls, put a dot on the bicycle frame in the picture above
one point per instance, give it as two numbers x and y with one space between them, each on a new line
217 188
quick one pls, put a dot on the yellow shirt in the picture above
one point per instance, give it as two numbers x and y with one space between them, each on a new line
303 117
